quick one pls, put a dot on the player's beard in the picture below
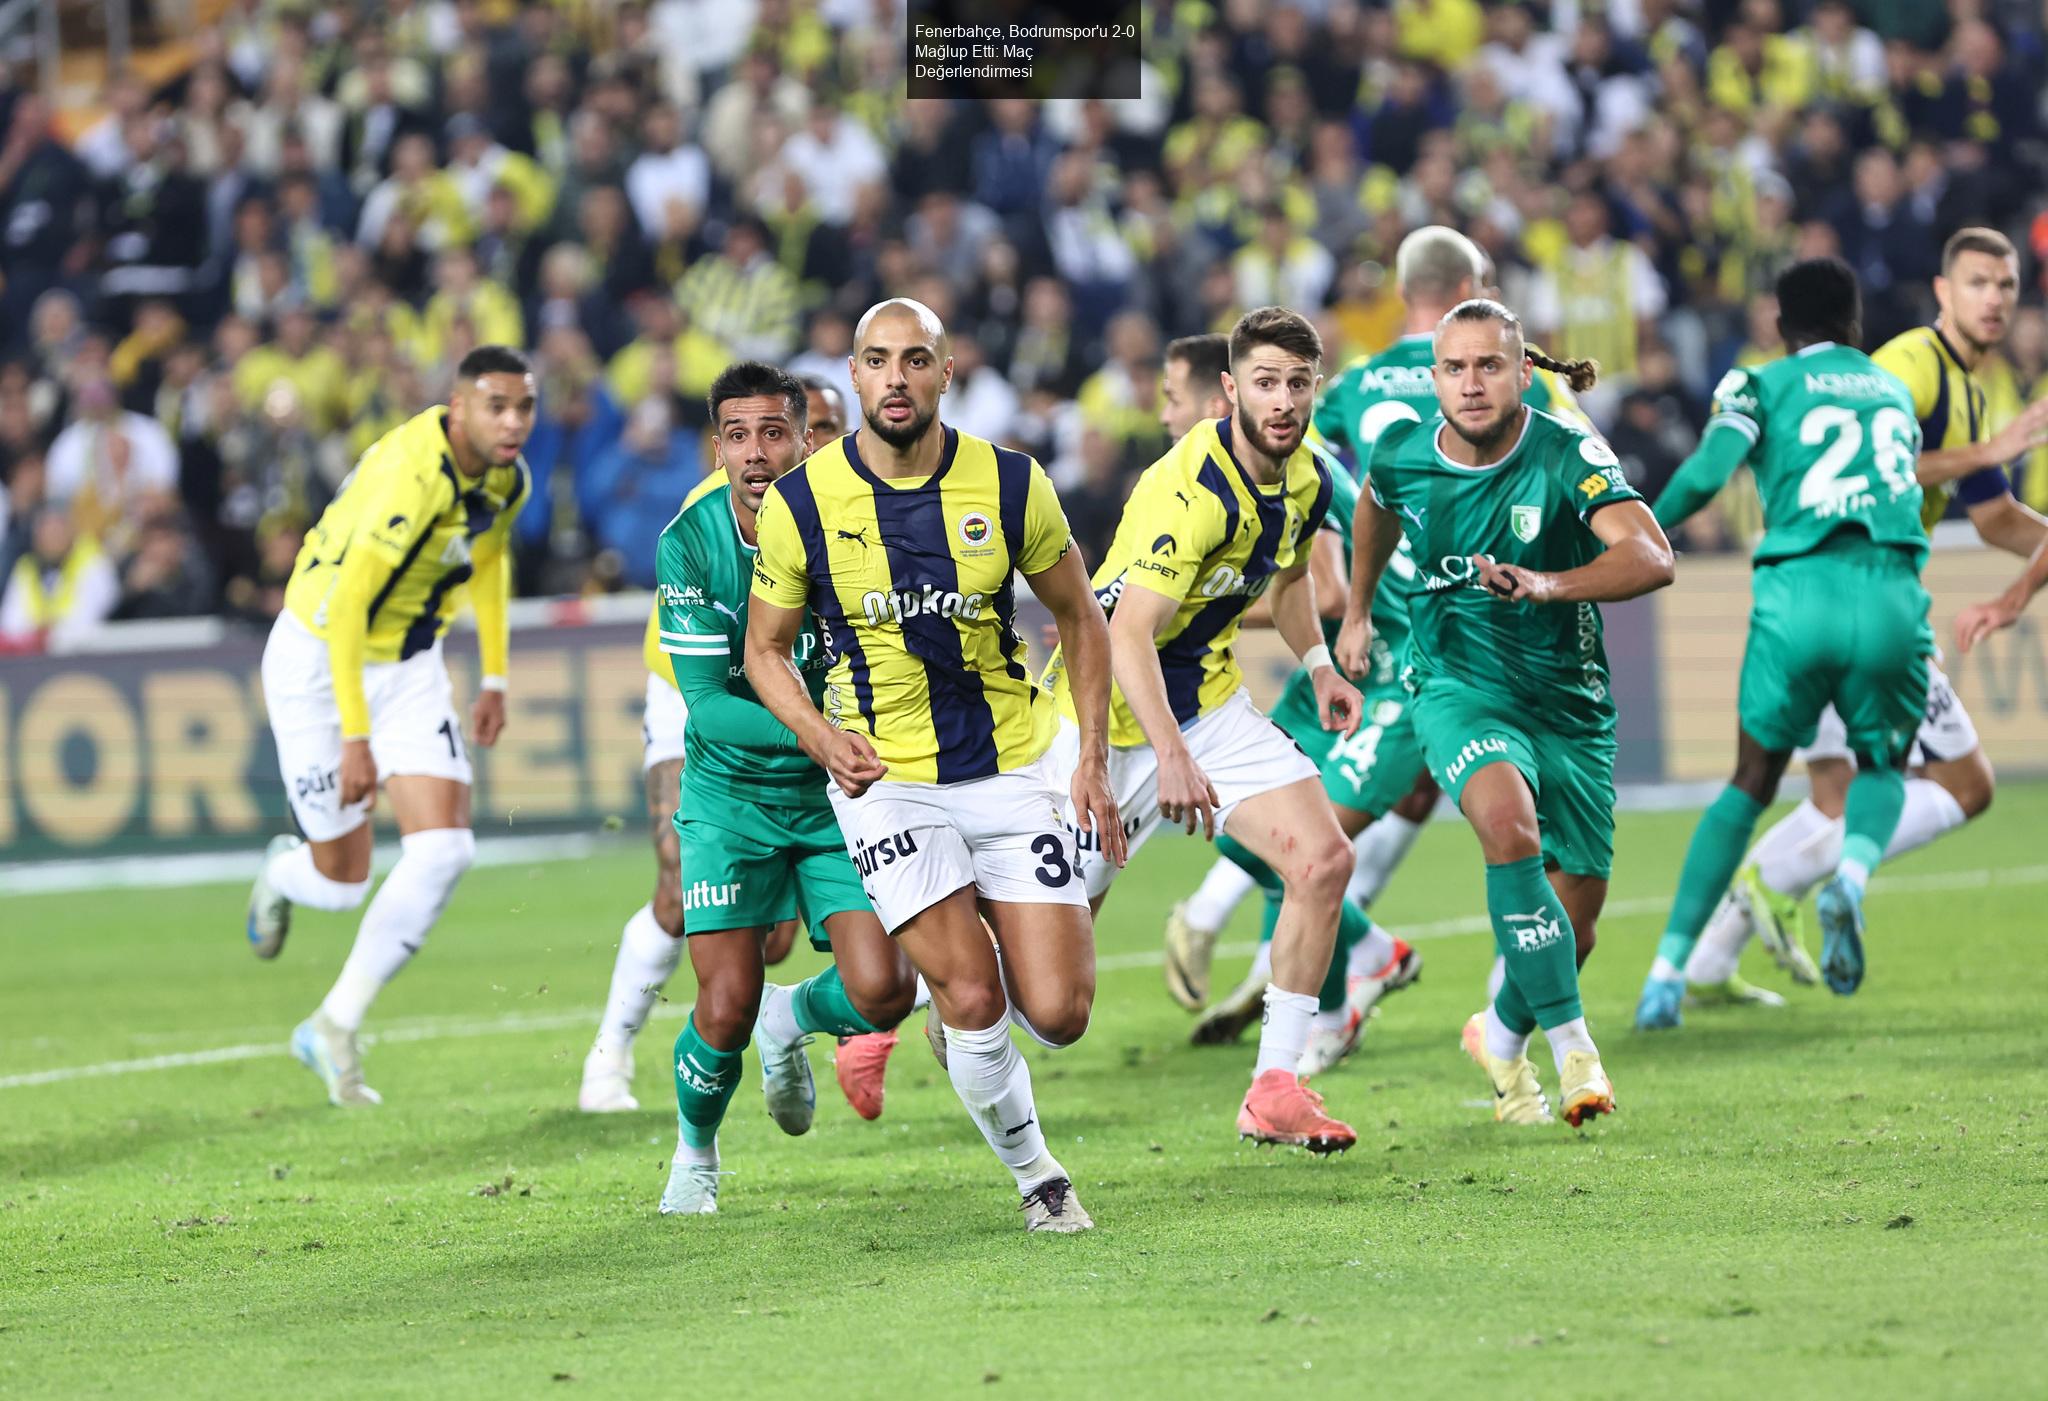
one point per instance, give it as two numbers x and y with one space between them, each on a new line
902 437
1491 441
1258 440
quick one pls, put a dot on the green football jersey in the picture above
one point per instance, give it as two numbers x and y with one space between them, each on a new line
733 748
1833 443
1531 509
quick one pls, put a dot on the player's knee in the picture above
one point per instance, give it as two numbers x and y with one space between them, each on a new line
725 1013
445 852
970 1005
882 1003
1065 1020
1322 867
1973 789
668 905
1508 837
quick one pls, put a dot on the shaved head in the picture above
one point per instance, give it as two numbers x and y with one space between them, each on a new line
930 329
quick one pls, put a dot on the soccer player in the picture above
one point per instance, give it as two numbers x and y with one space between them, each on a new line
1839 619
652 944
758 840
1951 780
903 538
1521 525
1229 513
1368 962
358 692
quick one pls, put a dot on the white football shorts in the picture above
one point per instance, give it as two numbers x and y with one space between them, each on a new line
1946 730
913 844
1243 753
661 724
413 725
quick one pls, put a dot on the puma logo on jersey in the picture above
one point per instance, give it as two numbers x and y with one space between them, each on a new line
1533 932
859 536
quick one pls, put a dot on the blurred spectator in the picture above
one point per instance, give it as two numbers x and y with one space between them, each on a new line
168 574
742 297
1120 401
761 90
669 182
644 475
110 466
61 589
835 157
828 345
1596 299
1282 267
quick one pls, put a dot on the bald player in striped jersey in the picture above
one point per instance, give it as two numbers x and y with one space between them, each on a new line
903 538
1229 514
1950 781
358 693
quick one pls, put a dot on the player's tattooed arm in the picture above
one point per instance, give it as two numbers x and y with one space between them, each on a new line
1375 534
772 672
1637 561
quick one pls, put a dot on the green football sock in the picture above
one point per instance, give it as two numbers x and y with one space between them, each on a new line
1534 934
1710 862
1869 817
705 1080
821 1005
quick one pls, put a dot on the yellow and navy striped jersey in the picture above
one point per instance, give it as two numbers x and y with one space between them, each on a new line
381 574
1200 531
1950 406
912 581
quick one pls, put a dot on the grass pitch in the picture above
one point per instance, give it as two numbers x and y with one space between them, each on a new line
1840 1198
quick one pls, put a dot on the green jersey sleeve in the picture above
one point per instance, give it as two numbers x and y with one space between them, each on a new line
704 644
1598 478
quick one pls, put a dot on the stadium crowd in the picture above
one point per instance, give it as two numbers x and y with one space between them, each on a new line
219 291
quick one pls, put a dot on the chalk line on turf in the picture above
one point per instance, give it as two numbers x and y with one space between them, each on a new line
440 1029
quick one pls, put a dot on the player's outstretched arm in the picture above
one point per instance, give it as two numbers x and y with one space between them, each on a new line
2018 438
1637 561
1980 620
490 594
1299 620
1185 794
1699 478
704 678
1375 533
2004 522
1084 642
772 671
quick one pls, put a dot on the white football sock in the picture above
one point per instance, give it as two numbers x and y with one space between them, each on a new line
1715 956
647 959
1285 1035
706 1156
1930 810
293 875
1496 978
778 1014
396 923
1333 1021
994 1082
1370 954
1376 852
1568 1037
1799 851
1501 1043
1217 897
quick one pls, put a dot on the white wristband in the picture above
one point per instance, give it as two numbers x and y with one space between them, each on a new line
492 683
1318 655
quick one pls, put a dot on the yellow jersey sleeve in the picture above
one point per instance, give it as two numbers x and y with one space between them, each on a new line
1916 365
1047 536
1186 524
781 566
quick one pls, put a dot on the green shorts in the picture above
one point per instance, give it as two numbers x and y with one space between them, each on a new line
1464 729
1847 626
1377 765
754 865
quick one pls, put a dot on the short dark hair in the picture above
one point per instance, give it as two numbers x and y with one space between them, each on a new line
1818 300
751 379
1207 357
1278 327
819 384
492 360
1975 240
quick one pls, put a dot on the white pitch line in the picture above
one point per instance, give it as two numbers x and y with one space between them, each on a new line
446 1030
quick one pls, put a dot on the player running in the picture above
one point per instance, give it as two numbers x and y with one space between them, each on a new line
1229 513
758 840
1840 617
652 944
1951 780
358 692
1520 524
1368 962
903 537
